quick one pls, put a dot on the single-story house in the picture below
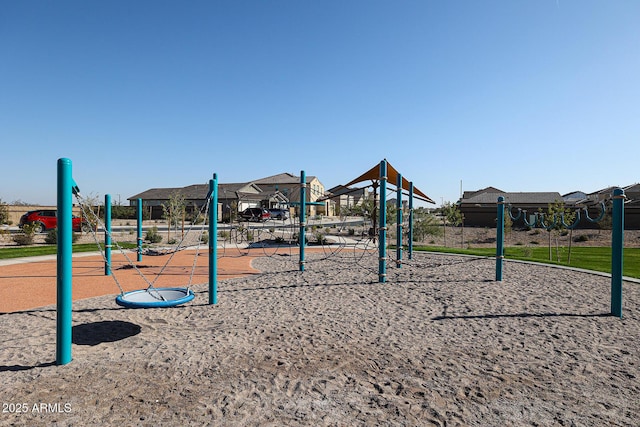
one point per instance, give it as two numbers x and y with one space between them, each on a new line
479 208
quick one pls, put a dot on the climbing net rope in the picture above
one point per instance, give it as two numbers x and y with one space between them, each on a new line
96 221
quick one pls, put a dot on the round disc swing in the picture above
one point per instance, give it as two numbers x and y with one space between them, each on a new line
155 297
151 297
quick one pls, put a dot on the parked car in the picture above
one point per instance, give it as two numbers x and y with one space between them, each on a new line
46 219
255 214
279 214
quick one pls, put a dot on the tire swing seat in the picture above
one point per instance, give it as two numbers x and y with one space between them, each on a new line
155 297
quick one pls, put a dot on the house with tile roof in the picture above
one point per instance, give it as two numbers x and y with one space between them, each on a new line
480 207
277 191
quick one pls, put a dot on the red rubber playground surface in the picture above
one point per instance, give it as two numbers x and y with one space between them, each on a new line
28 284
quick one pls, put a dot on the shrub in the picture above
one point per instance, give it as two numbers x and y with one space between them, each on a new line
320 238
352 232
26 237
152 235
582 238
52 237
204 238
23 239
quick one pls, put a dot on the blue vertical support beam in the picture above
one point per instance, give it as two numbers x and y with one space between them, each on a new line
107 234
213 241
382 224
617 252
64 277
139 212
303 213
410 235
399 222
500 239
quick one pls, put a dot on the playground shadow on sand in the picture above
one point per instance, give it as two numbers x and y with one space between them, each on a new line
106 331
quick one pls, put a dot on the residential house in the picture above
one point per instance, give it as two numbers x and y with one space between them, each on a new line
289 185
276 191
345 198
479 208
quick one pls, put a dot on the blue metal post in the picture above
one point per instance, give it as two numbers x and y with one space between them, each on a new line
107 234
303 209
399 222
382 226
410 236
139 212
617 252
500 239
213 241
64 276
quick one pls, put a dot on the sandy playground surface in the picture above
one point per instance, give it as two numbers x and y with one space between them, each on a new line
441 343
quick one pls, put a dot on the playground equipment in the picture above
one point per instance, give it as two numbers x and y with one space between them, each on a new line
617 237
379 176
151 297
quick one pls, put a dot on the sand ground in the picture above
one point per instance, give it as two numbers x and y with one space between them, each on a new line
439 343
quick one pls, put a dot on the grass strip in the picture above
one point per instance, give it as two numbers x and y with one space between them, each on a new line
39 250
586 257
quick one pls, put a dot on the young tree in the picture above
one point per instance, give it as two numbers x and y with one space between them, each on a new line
174 211
552 221
425 224
451 214
4 212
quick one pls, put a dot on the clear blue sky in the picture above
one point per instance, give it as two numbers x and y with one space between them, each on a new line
523 95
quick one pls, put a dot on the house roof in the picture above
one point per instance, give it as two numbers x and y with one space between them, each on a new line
197 191
469 194
282 178
514 198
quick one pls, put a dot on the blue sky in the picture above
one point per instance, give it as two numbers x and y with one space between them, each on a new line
538 95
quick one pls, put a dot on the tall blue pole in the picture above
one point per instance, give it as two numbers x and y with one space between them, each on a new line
139 233
410 236
399 222
64 277
303 209
213 241
500 239
107 234
617 252
382 226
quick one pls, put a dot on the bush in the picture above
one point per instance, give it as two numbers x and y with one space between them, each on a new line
26 237
23 239
52 237
582 238
153 236
204 238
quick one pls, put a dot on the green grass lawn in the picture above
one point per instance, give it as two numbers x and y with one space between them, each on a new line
37 250
590 258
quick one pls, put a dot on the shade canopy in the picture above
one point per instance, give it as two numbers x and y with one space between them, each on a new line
373 174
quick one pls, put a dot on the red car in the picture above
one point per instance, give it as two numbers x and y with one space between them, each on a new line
47 220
